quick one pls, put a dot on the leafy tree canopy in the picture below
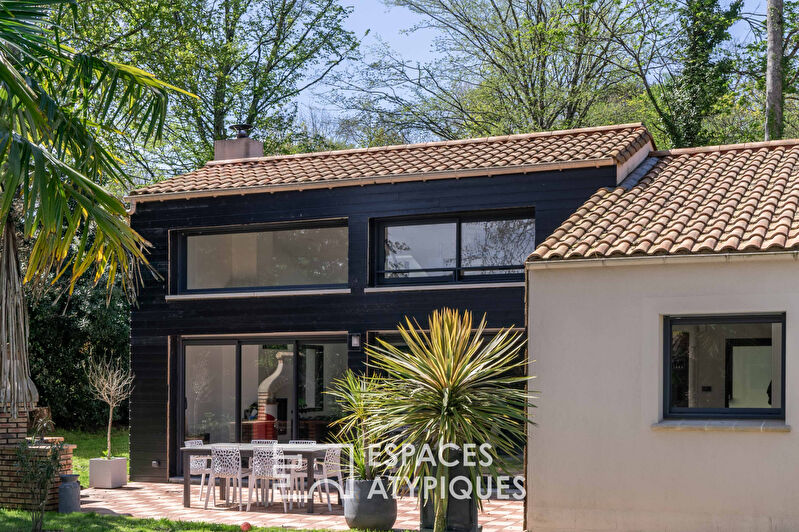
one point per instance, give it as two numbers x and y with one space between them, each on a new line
247 60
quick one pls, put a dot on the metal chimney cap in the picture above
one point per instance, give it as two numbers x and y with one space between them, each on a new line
242 130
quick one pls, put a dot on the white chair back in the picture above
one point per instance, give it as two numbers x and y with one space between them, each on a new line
263 442
303 442
225 462
265 463
196 463
333 459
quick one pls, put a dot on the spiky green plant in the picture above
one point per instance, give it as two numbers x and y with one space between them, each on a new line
450 385
355 395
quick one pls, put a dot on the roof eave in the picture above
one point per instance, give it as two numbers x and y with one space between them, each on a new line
376 180
649 260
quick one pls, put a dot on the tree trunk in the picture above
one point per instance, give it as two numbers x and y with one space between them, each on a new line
442 495
110 420
16 386
774 98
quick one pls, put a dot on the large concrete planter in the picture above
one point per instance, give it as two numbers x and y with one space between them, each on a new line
461 513
105 473
362 512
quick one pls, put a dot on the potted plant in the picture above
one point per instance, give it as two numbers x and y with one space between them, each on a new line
450 385
355 394
112 384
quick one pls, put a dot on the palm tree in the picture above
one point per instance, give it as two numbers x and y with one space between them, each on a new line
450 385
56 108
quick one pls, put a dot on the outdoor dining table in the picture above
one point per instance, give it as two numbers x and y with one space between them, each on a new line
308 452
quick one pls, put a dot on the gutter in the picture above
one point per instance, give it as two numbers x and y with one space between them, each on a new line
662 259
363 181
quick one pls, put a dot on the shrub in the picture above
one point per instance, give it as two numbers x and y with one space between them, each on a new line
64 329
39 462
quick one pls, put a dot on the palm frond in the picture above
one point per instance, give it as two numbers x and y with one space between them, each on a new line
56 107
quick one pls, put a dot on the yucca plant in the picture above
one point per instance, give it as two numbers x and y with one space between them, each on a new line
58 107
355 395
450 385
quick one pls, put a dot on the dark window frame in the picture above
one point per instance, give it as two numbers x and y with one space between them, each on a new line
670 412
178 268
297 341
450 275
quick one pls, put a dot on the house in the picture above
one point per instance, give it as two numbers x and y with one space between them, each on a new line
276 271
664 325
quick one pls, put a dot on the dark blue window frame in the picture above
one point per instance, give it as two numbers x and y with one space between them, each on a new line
178 267
454 274
670 412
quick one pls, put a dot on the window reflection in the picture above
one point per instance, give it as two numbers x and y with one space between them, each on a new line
718 365
288 257
419 250
452 250
496 243
210 393
319 365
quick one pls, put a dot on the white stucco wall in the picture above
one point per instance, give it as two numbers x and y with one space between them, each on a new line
595 462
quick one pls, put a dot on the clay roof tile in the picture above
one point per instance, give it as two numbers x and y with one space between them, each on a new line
716 199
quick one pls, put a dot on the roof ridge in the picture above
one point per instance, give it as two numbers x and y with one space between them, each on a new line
726 147
419 145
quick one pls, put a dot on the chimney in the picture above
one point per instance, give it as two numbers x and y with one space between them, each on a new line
242 147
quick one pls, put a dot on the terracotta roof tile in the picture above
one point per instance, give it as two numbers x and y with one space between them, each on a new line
611 144
722 199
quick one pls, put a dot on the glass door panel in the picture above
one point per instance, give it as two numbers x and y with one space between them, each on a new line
210 393
267 391
319 364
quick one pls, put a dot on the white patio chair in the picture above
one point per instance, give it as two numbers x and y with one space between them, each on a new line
260 442
299 473
226 465
330 467
198 465
268 467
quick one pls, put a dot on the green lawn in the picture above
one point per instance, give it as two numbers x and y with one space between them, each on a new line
92 445
17 520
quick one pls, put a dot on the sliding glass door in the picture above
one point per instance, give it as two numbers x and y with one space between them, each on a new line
319 363
210 392
267 391
241 390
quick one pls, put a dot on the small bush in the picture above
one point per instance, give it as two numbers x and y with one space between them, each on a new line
39 462
64 330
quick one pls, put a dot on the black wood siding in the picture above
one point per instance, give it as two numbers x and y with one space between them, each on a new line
156 324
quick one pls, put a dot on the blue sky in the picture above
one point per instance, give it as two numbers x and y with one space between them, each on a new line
388 24
383 23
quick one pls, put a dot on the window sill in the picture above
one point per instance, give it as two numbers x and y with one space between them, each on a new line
722 425
448 286
261 293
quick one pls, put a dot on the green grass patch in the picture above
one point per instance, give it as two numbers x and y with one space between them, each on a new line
92 445
19 520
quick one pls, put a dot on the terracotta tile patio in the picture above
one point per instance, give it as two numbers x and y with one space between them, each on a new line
139 499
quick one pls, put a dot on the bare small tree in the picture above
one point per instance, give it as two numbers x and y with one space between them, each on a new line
110 383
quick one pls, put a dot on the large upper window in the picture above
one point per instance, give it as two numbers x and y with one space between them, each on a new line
724 366
461 248
279 257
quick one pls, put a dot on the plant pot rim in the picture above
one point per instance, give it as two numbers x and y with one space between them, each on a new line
109 459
